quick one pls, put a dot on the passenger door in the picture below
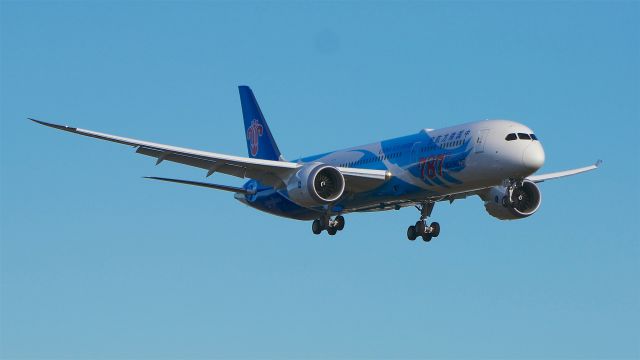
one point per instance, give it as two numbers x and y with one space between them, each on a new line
480 140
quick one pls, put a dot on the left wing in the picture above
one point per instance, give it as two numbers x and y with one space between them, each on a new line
269 172
559 174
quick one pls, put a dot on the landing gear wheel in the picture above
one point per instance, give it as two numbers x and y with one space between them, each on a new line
435 229
316 227
339 222
422 228
332 231
411 233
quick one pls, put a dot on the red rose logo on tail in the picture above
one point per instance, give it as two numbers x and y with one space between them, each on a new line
253 134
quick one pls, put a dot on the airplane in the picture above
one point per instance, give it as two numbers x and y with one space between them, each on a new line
492 159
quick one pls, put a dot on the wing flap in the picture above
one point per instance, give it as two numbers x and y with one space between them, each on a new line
173 157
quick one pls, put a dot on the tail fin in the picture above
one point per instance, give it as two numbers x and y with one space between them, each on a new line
260 142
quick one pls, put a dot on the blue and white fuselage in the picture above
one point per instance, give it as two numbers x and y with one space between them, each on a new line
494 159
428 165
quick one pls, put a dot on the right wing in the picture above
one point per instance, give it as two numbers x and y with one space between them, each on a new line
269 172
559 174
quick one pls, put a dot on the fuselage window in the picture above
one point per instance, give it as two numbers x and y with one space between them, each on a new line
511 137
524 136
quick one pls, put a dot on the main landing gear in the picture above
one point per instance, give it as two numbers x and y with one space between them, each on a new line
326 223
421 228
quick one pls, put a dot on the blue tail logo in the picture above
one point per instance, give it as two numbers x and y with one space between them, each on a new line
253 135
260 142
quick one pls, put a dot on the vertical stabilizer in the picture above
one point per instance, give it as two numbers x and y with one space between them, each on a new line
260 142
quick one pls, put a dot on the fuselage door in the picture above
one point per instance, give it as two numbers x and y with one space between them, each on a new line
480 140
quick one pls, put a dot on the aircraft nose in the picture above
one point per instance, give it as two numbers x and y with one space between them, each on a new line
533 156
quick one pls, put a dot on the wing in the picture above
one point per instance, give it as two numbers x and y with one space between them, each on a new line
359 180
559 174
269 172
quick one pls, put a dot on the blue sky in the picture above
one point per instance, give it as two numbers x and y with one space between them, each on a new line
98 263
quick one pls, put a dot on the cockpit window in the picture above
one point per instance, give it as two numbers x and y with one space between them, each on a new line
511 137
524 136
534 137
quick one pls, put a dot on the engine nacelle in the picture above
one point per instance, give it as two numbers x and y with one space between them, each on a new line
526 199
316 184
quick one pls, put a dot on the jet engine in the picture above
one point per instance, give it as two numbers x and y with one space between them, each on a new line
524 200
316 184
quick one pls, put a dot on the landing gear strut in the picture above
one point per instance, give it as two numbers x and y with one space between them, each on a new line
427 232
326 223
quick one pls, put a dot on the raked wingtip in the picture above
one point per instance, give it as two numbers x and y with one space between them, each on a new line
55 126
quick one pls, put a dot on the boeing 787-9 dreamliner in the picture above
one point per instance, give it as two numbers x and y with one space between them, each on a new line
493 159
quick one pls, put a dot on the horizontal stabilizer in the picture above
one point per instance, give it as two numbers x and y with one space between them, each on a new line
208 185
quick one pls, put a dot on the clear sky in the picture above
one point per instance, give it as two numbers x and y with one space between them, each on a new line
97 262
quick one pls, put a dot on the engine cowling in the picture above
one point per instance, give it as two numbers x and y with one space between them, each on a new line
316 185
526 200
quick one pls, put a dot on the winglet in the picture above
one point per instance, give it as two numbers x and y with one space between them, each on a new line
55 126
598 163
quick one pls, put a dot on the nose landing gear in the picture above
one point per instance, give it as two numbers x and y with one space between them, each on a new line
427 232
326 223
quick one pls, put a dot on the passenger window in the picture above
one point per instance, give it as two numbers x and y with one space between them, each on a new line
511 137
534 137
523 136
